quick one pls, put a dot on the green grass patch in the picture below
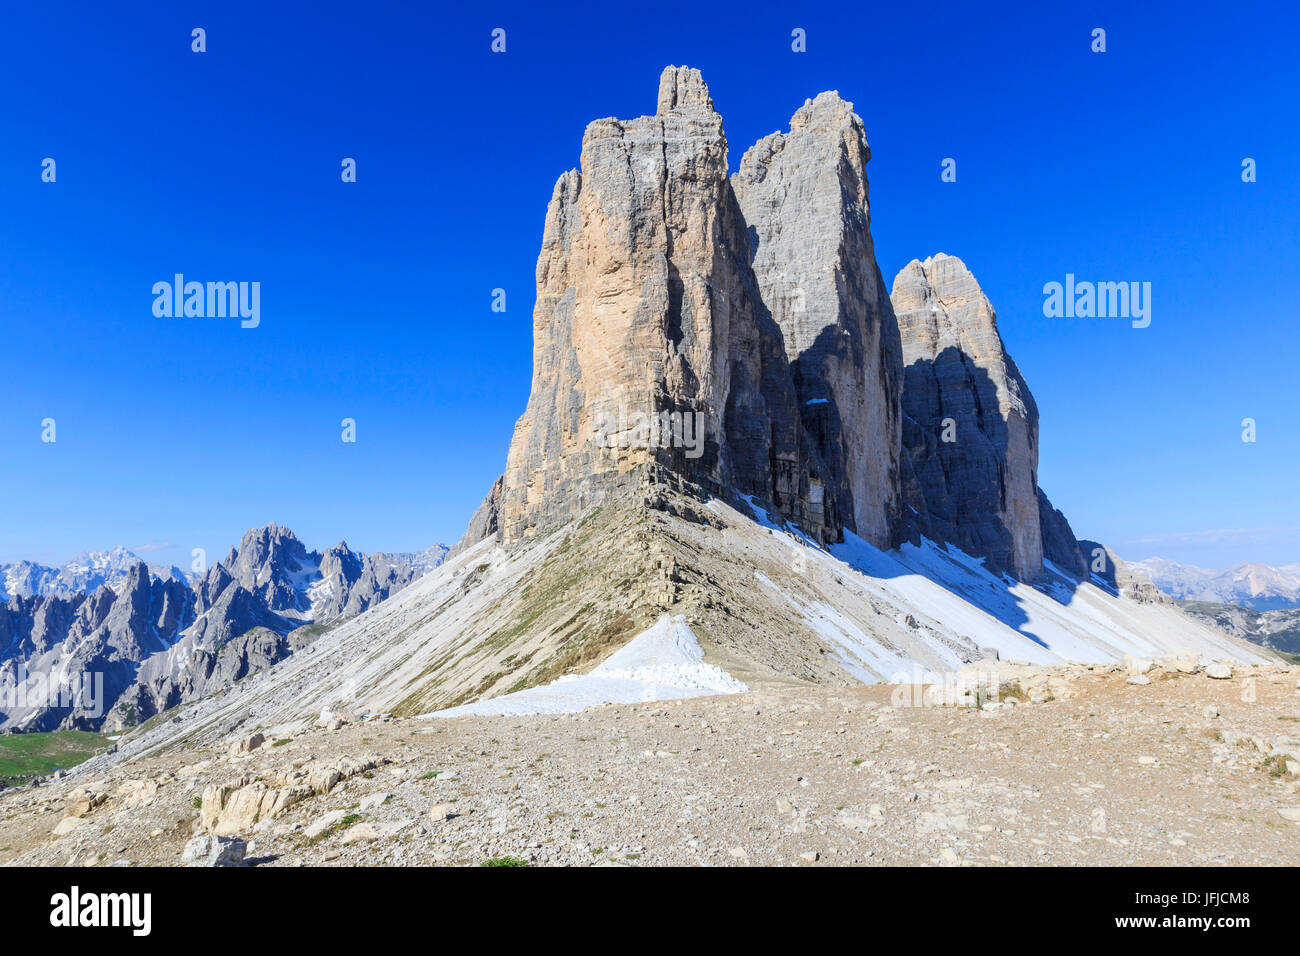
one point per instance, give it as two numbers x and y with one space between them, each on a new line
1276 766
23 756
504 861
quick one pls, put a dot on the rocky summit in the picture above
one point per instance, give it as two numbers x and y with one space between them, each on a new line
743 463
734 335
804 198
971 427
670 294
646 306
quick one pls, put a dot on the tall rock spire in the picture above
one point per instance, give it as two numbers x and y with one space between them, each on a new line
971 426
804 196
651 348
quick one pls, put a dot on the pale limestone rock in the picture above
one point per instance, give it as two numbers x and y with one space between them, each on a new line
359 833
82 802
210 850
1138 665
323 823
139 793
66 825
246 745
241 809
646 307
212 803
277 801
323 779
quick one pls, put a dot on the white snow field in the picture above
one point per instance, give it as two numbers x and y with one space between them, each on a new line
664 662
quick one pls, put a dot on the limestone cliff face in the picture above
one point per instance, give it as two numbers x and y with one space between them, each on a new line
651 346
804 197
972 426
734 336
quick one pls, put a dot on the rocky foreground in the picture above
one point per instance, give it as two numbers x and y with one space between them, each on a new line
1150 764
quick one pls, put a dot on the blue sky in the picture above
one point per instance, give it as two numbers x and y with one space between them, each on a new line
376 296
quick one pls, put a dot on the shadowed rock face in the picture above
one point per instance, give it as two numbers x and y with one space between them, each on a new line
972 428
1059 543
646 309
804 196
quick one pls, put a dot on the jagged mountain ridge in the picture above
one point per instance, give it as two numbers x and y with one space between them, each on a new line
1277 629
1260 587
153 642
85 572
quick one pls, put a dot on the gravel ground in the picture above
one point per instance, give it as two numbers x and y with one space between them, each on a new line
1097 771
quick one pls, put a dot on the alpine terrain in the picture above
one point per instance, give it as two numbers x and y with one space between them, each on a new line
767 576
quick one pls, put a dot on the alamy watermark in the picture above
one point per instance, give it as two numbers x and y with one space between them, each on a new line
83 692
211 300
974 687
1085 300
630 428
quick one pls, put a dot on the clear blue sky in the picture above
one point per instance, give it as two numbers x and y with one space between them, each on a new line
376 295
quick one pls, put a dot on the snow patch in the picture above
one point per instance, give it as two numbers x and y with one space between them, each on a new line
664 662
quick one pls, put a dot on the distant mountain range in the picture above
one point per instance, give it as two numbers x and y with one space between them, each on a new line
107 641
85 572
1278 629
1256 586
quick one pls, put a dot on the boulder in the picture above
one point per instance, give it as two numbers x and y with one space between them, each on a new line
246 744
242 809
66 825
211 850
82 802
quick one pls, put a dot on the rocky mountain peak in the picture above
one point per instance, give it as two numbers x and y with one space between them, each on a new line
665 329
682 88
804 196
827 111
750 309
160 640
972 425
270 544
